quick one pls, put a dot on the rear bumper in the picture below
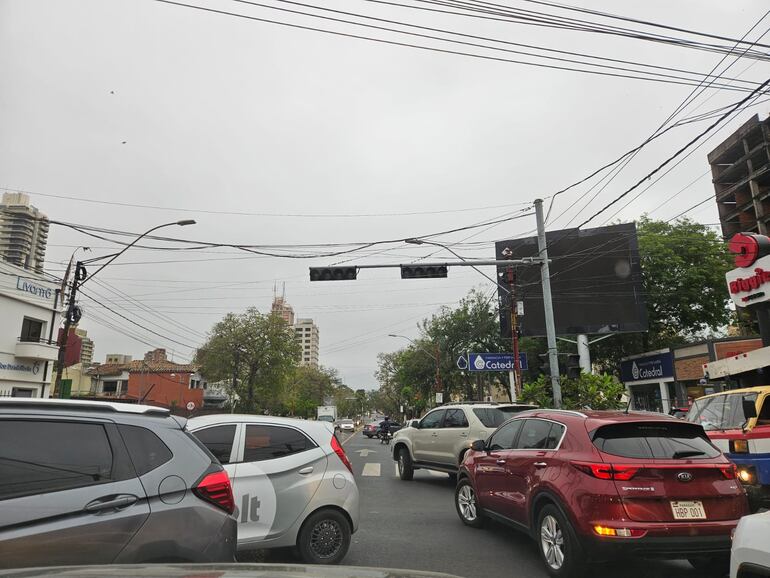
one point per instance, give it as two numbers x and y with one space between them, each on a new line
667 541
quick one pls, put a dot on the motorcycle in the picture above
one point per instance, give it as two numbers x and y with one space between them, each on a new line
385 437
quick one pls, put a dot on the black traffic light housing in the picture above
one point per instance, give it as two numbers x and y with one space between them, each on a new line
333 273
423 271
573 366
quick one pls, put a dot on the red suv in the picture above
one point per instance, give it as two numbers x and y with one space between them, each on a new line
592 486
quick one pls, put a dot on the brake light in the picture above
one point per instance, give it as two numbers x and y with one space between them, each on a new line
607 471
341 453
619 532
215 488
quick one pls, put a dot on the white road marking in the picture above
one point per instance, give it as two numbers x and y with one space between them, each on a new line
436 474
363 453
371 469
395 465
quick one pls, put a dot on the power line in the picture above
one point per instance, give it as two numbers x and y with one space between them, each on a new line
683 82
262 214
678 152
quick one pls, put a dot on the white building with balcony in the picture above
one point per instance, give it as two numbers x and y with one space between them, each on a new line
29 325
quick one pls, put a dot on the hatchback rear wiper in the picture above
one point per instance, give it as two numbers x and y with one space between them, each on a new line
688 454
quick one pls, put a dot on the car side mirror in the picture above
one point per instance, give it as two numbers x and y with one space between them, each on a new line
415 423
479 446
749 408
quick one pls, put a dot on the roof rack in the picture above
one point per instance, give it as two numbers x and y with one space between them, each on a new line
53 403
567 411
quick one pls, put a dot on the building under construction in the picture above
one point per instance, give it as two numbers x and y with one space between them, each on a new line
740 170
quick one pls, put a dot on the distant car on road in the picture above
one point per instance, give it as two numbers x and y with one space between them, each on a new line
371 429
91 482
346 425
751 552
598 485
441 438
292 480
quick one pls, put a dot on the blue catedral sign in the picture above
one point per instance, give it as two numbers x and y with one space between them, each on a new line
495 361
652 367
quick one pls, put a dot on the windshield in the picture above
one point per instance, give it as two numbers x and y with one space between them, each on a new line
325 418
720 412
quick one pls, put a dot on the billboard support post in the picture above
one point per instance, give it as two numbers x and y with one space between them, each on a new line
553 357
585 353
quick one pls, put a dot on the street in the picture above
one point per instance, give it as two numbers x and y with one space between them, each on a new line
413 525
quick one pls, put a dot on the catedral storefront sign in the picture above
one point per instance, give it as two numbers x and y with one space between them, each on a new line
749 283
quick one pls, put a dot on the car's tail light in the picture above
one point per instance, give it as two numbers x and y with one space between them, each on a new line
215 488
607 471
619 532
337 447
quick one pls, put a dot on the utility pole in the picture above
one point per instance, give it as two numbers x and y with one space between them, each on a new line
550 326
516 374
584 352
72 316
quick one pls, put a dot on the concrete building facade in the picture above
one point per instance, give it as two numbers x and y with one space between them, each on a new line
86 347
28 319
740 171
309 338
23 232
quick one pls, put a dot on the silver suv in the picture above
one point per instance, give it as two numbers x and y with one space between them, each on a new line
102 483
440 439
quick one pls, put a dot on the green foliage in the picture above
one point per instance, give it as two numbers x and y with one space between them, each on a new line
408 376
586 392
267 353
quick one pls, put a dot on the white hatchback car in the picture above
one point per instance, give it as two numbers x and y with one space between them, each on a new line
346 425
292 482
750 557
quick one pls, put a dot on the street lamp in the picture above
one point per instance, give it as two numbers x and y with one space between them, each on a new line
435 356
81 277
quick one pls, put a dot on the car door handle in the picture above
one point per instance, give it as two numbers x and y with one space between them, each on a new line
116 503
435 435
306 471
501 462
540 464
463 435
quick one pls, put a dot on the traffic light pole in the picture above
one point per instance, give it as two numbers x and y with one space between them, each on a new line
550 325
516 374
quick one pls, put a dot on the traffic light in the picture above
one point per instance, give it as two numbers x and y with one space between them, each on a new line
423 272
573 366
333 273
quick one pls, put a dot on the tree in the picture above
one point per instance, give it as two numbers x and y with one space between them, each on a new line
264 350
408 376
586 392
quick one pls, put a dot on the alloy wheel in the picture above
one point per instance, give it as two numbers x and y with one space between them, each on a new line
552 542
466 499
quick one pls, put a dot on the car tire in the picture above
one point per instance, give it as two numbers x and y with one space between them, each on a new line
467 505
405 467
558 544
711 565
324 538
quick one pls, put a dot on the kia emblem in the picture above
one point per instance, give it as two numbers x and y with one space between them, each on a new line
684 477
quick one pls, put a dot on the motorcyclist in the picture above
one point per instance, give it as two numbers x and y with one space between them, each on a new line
385 426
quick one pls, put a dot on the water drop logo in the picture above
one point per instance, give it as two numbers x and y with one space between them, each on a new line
634 370
479 363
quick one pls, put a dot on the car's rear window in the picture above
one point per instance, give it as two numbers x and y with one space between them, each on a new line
654 441
496 416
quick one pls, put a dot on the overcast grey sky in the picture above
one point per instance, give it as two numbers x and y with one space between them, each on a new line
140 102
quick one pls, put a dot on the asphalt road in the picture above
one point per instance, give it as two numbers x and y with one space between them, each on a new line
414 525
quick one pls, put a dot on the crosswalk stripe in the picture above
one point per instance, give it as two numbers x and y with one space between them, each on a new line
436 474
395 465
371 469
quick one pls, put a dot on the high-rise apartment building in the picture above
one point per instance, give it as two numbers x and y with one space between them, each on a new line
86 347
740 171
281 307
23 232
309 340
